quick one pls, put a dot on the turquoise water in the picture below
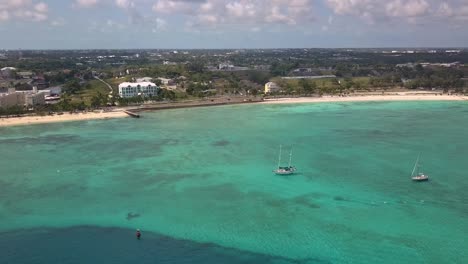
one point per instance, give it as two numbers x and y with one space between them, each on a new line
205 175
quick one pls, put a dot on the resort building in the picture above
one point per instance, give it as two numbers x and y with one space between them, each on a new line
31 99
21 98
271 87
9 99
127 89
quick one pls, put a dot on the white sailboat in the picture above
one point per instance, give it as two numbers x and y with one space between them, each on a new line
416 174
285 170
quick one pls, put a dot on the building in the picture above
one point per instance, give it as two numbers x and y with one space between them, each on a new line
127 89
225 66
25 74
7 72
39 82
166 81
21 98
31 99
271 87
144 79
10 99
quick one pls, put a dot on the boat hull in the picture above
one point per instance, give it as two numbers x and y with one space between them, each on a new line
287 171
420 179
283 173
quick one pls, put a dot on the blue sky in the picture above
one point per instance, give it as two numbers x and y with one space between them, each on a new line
87 24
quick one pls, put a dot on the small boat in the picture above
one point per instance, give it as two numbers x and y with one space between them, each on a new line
281 170
416 174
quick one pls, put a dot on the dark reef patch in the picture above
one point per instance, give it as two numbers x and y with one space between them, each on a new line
88 244
131 215
340 198
305 200
221 143
49 140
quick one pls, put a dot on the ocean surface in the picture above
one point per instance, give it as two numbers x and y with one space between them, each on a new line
199 184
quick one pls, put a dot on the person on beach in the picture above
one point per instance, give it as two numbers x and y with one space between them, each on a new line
138 234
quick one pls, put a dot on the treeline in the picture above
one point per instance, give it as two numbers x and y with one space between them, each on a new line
63 106
444 78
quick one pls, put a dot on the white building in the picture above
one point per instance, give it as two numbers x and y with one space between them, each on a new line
166 81
271 87
144 79
128 89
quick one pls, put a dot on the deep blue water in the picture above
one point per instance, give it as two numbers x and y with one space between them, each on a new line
80 245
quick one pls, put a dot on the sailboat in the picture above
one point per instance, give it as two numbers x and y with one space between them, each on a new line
284 170
416 175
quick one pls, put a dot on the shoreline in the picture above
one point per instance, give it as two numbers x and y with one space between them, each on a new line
67 117
367 98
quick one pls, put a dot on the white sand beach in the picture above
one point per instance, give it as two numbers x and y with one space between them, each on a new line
29 120
368 98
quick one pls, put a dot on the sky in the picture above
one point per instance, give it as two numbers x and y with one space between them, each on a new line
208 24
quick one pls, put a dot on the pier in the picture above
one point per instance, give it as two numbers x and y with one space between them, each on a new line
134 115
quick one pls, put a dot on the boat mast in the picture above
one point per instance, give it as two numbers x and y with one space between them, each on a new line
290 157
279 157
416 166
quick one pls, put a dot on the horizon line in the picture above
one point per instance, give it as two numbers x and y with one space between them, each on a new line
279 48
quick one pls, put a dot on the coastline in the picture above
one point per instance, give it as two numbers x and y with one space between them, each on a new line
367 98
66 117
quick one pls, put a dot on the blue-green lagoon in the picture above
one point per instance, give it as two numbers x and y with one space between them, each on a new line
205 175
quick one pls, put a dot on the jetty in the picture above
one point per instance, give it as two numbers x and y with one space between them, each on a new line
134 115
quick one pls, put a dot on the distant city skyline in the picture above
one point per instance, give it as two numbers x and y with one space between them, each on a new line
226 24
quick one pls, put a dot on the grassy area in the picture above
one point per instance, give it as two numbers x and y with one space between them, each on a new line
326 85
91 89
114 82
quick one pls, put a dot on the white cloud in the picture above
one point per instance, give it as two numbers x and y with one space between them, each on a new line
462 12
86 3
161 24
59 22
445 10
28 10
411 11
374 11
41 7
125 4
4 15
232 13
408 8
277 16
171 6
238 9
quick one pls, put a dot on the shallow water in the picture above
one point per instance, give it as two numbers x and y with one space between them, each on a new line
205 175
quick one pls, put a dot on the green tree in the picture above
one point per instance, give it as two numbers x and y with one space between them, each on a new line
72 86
96 101
259 77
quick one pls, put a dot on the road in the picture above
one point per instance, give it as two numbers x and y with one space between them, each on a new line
108 85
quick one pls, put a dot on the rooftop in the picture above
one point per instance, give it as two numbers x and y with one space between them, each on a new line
126 84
